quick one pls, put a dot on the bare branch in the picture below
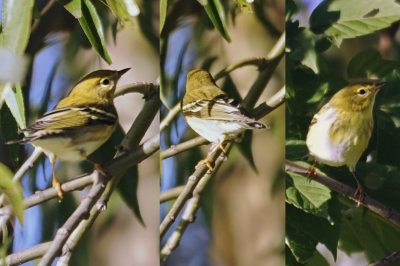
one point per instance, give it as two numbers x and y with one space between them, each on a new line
189 213
394 257
170 116
181 147
28 164
27 254
368 202
148 89
171 194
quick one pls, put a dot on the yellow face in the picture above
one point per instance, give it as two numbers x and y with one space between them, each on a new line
356 97
97 87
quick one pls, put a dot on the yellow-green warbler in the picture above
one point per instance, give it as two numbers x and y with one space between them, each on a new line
80 123
211 113
339 133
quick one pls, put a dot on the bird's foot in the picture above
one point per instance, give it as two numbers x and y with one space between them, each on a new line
359 195
57 185
311 172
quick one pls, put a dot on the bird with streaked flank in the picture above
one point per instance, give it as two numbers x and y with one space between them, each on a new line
80 123
340 132
212 114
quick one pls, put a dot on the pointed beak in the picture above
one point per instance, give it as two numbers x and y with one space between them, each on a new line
123 71
380 85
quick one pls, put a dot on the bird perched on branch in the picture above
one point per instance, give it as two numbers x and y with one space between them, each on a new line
212 114
340 132
80 123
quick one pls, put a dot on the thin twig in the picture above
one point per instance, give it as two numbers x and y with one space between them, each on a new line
42 12
170 116
270 104
171 194
188 215
274 56
391 259
261 63
27 254
368 202
28 164
148 89
181 147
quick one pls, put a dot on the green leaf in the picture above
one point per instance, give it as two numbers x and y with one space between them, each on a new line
299 243
12 190
365 231
344 19
127 188
301 47
124 10
317 260
17 17
370 64
245 148
163 13
216 13
15 101
91 25
244 6
310 196
316 228
73 6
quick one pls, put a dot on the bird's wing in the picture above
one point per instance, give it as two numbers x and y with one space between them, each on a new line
220 108
63 118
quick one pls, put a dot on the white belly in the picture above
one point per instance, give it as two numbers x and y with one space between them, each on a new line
67 149
319 143
214 130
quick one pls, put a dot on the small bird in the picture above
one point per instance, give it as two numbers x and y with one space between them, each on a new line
340 132
212 114
80 123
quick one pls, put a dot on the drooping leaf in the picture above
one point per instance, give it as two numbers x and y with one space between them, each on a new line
216 13
163 13
12 190
9 129
125 10
15 101
92 26
344 19
73 6
16 17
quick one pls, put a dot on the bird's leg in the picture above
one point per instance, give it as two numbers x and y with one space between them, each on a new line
97 166
360 193
56 183
214 148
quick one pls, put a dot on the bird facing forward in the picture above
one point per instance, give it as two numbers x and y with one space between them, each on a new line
340 132
212 114
80 123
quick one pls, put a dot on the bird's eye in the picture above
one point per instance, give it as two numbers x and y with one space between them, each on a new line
105 82
361 92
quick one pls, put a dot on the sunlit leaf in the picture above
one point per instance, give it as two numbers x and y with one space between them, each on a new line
93 28
125 10
216 13
12 190
344 19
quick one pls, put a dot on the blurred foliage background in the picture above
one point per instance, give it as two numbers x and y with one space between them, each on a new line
242 212
46 47
329 44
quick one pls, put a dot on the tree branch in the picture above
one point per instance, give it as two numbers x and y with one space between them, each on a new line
181 147
27 254
368 202
185 195
171 194
394 257
191 208
148 89
114 171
